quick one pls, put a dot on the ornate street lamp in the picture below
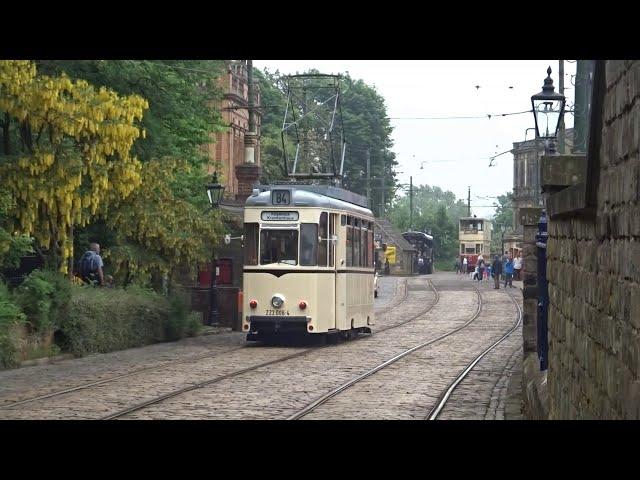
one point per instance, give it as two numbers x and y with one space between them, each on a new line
548 109
214 192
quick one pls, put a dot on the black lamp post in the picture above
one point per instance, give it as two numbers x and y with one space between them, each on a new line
214 192
548 109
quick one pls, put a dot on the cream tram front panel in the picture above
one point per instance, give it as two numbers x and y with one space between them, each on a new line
337 288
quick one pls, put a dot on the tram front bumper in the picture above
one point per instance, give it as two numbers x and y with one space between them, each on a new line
274 324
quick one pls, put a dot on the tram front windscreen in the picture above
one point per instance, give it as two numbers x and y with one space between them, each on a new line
278 246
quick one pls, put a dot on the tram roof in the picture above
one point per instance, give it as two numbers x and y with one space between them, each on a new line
313 196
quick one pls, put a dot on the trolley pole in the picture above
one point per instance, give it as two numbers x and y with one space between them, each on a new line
410 204
469 203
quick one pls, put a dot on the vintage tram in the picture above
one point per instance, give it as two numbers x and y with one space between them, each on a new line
308 262
423 243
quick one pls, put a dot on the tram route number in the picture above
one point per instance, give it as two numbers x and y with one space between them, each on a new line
281 197
278 313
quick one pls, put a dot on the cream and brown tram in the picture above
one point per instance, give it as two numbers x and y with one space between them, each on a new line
308 262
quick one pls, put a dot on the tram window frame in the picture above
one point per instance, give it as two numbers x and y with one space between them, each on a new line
308 251
251 237
343 220
349 246
356 244
323 239
364 248
333 221
265 235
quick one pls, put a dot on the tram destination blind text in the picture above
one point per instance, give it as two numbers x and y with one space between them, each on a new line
279 216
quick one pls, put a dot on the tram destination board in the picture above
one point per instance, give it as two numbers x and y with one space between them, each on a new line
280 197
279 216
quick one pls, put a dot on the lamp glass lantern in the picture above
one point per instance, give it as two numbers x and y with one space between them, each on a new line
548 109
215 191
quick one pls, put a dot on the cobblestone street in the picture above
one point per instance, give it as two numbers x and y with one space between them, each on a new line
222 377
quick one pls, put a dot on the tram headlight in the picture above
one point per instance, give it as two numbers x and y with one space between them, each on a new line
277 301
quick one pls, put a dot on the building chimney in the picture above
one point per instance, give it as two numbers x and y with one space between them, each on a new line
249 172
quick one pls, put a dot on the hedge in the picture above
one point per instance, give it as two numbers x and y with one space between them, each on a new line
101 320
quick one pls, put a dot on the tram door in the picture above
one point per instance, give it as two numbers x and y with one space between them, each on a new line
333 228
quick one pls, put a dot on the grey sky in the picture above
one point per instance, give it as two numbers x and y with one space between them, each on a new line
456 151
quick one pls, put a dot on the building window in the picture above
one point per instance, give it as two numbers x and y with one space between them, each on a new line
478 248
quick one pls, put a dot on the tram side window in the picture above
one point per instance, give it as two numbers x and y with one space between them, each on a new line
364 249
356 245
323 233
250 243
370 249
308 244
278 246
349 246
332 232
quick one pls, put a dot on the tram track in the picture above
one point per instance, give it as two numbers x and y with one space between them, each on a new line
395 303
212 381
333 393
446 395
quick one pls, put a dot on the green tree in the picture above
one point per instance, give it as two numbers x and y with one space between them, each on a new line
366 128
434 210
502 218
67 153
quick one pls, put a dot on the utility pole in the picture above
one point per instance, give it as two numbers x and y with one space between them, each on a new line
561 91
383 174
369 179
580 108
411 200
469 203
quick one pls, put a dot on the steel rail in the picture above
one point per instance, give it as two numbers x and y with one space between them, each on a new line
326 397
437 409
156 367
117 377
236 373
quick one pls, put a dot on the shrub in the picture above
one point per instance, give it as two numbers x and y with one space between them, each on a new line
44 297
101 320
10 317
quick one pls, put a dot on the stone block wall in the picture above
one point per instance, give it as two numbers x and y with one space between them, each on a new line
594 274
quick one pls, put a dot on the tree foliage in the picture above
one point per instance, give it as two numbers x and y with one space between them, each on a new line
434 210
366 128
503 217
157 230
66 152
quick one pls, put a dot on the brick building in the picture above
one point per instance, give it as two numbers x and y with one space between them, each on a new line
593 263
228 151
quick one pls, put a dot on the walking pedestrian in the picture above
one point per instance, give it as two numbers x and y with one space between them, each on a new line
457 267
465 264
496 269
517 267
90 266
480 264
508 272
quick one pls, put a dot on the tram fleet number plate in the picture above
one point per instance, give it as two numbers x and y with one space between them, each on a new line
278 313
281 197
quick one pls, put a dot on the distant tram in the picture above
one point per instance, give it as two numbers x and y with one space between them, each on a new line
423 243
308 262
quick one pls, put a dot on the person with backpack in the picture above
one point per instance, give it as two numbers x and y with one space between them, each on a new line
90 266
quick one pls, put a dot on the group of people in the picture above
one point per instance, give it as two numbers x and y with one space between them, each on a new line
507 267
